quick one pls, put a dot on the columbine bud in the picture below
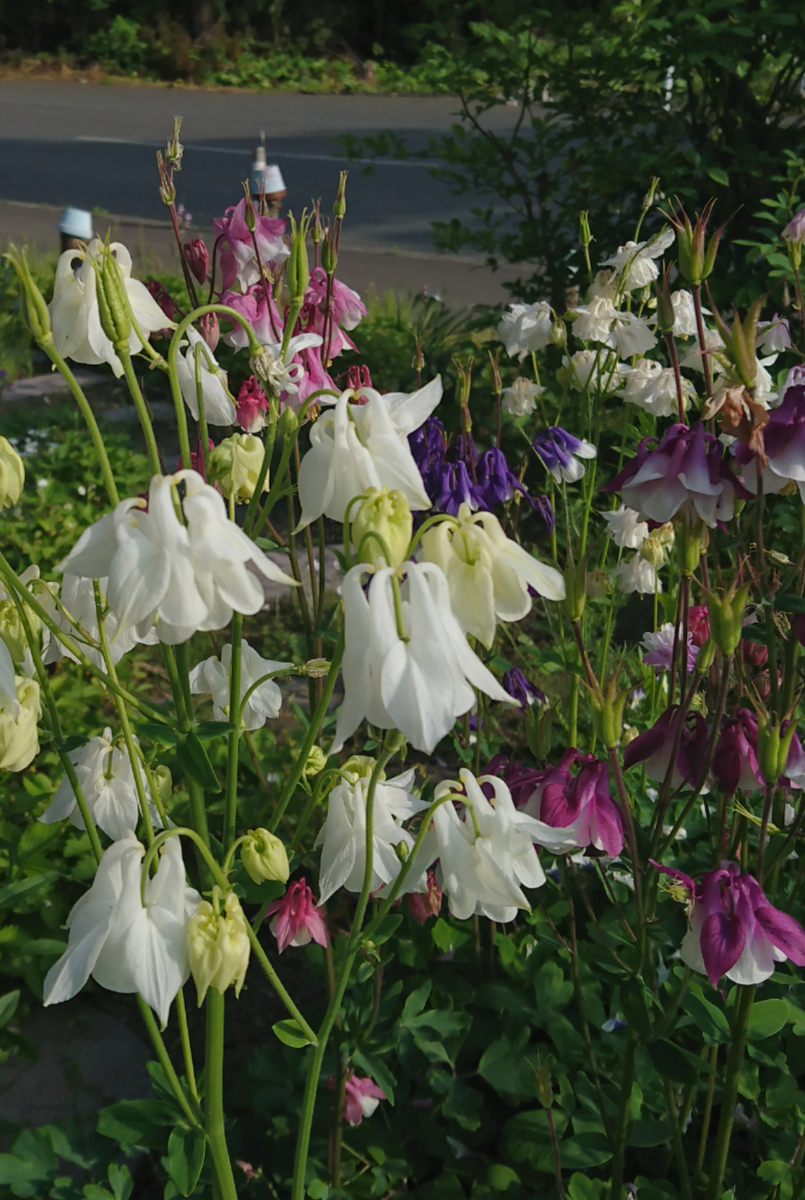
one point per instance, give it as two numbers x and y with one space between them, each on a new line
726 617
288 422
773 744
706 656
36 309
164 784
387 514
167 192
236 463
265 857
329 257
218 945
19 741
653 551
585 237
197 258
175 149
597 584
113 301
316 761
340 202
794 236
666 316
558 334
360 766
695 260
210 330
249 215
12 631
12 474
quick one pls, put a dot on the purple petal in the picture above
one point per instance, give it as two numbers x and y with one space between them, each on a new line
784 932
722 941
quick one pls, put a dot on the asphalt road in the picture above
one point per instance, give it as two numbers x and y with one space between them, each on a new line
92 146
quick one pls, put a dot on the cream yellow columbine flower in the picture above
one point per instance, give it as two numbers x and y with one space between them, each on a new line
487 573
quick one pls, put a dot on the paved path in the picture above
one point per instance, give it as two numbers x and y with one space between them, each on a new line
93 146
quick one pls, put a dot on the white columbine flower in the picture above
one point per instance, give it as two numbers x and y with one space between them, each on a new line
356 446
418 679
74 314
637 575
106 778
593 321
488 574
631 335
652 387
124 945
485 862
605 284
595 370
78 599
278 371
8 688
526 328
185 577
343 835
637 260
219 408
684 313
520 399
625 528
212 675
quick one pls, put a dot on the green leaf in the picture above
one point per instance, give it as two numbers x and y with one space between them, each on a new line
137 1122
789 602
709 1019
163 735
635 1007
674 1063
120 1181
650 1133
317 1189
196 764
207 730
291 1035
12 892
94 1191
386 928
415 1002
186 1149
767 1018
505 1066
74 742
499 1177
8 1006
373 1066
719 176
584 1150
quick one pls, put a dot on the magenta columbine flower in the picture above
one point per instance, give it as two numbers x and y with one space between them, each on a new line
580 804
659 648
732 928
259 311
298 921
251 406
735 758
654 748
784 444
361 1098
238 260
686 470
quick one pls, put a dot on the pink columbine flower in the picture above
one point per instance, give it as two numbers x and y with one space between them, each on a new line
347 307
685 471
581 805
361 1098
732 928
298 921
423 905
251 406
654 748
314 378
261 313
735 758
210 330
197 257
698 624
660 648
238 261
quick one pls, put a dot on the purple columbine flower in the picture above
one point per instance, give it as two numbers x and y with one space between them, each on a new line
581 805
660 647
686 470
732 928
496 482
795 229
654 748
521 689
520 779
784 442
560 452
735 759
454 488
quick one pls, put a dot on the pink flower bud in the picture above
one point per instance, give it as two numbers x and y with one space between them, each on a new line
422 905
163 298
197 258
795 229
210 330
699 624
252 406
297 919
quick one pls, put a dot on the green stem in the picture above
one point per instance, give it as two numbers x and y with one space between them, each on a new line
278 987
142 410
353 944
623 1117
231 797
187 1053
88 415
191 1115
214 1096
310 737
729 1095
676 1138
